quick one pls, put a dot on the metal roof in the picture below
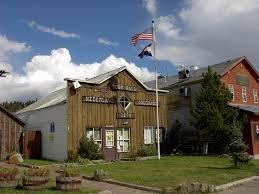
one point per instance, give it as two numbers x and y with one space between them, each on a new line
245 107
105 76
54 98
195 75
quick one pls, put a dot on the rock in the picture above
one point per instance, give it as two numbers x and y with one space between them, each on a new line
211 188
16 158
169 190
182 188
204 188
196 186
99 175
105 192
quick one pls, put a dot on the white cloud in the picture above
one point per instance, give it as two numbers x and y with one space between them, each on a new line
105 41
150 6
45 73
205 32
50 30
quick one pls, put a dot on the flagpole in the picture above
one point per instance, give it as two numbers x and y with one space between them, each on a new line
157 115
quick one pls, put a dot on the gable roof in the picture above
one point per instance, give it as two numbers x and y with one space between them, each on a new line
249 108
196 75
13 116
54 98
105 76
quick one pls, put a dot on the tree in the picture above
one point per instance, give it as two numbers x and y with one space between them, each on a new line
212 116
14 106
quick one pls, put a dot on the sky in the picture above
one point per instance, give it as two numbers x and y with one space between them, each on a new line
43 42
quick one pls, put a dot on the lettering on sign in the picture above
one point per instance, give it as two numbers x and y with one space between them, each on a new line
101 100
125 115
145 103
124 88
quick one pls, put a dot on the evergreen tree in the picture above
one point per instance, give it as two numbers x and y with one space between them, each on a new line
212 116
15 106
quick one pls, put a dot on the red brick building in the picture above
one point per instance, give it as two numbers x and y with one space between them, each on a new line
238 75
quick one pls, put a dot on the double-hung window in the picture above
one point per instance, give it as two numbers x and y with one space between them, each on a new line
123 139
148 134
255 95
160 135
95 135
231 90
244 95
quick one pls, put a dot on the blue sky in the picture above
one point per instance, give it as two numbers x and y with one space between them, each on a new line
113 20
42 42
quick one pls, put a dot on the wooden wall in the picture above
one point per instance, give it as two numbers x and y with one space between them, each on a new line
10 131
84 115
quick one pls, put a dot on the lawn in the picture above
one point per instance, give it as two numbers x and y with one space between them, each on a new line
170 171
39 162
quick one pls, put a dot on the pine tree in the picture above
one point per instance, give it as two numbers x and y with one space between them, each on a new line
212 116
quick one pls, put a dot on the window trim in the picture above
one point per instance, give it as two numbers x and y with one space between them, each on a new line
123 139
152 135
256 134
95 140
232 91
160 134
255 95
244 94
129 100
110 146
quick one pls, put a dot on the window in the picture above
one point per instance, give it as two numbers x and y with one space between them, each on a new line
148 135
255 95
109 138
125 102
95 135
52 127
160 135
257 131
244 96
123 139
231 90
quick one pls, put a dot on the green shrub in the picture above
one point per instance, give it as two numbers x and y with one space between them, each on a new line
144 151
43 172
88 149
70 172
8 173
72 156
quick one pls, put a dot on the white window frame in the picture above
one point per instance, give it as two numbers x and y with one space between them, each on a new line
146 140
244 95
231 90
160 135
122 139
255 95
106 139
124 101
97 141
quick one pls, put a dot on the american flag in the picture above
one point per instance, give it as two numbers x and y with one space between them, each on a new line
146 35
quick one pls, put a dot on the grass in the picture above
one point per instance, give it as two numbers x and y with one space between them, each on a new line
39 162
170 171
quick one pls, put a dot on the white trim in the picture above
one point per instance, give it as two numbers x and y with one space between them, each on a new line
147 139
106 140
231 90
255 95
244 95
123 139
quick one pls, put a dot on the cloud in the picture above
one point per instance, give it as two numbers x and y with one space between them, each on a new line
150 6
50 30
107 42
45 73
205 32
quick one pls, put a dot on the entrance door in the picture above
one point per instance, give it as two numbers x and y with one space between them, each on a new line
109 148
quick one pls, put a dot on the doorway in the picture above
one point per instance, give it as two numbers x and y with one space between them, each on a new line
109 144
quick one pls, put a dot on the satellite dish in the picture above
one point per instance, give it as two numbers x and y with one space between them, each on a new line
76 84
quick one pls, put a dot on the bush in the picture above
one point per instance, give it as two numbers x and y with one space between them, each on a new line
144 151
70 172
43 172
72 156
89 149
8 173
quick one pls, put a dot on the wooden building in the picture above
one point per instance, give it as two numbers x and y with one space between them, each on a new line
114 109
10 130
238 75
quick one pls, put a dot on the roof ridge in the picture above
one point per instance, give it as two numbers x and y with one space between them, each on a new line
122 67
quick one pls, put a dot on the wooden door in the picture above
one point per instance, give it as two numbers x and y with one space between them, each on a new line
109 144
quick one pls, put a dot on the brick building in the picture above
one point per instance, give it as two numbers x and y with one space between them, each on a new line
238 75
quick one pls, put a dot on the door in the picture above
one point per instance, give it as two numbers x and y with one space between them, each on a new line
109 147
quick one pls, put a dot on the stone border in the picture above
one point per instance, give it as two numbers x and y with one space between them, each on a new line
134 186
235 183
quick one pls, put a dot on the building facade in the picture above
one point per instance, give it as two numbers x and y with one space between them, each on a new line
238 75
10 130
115 110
